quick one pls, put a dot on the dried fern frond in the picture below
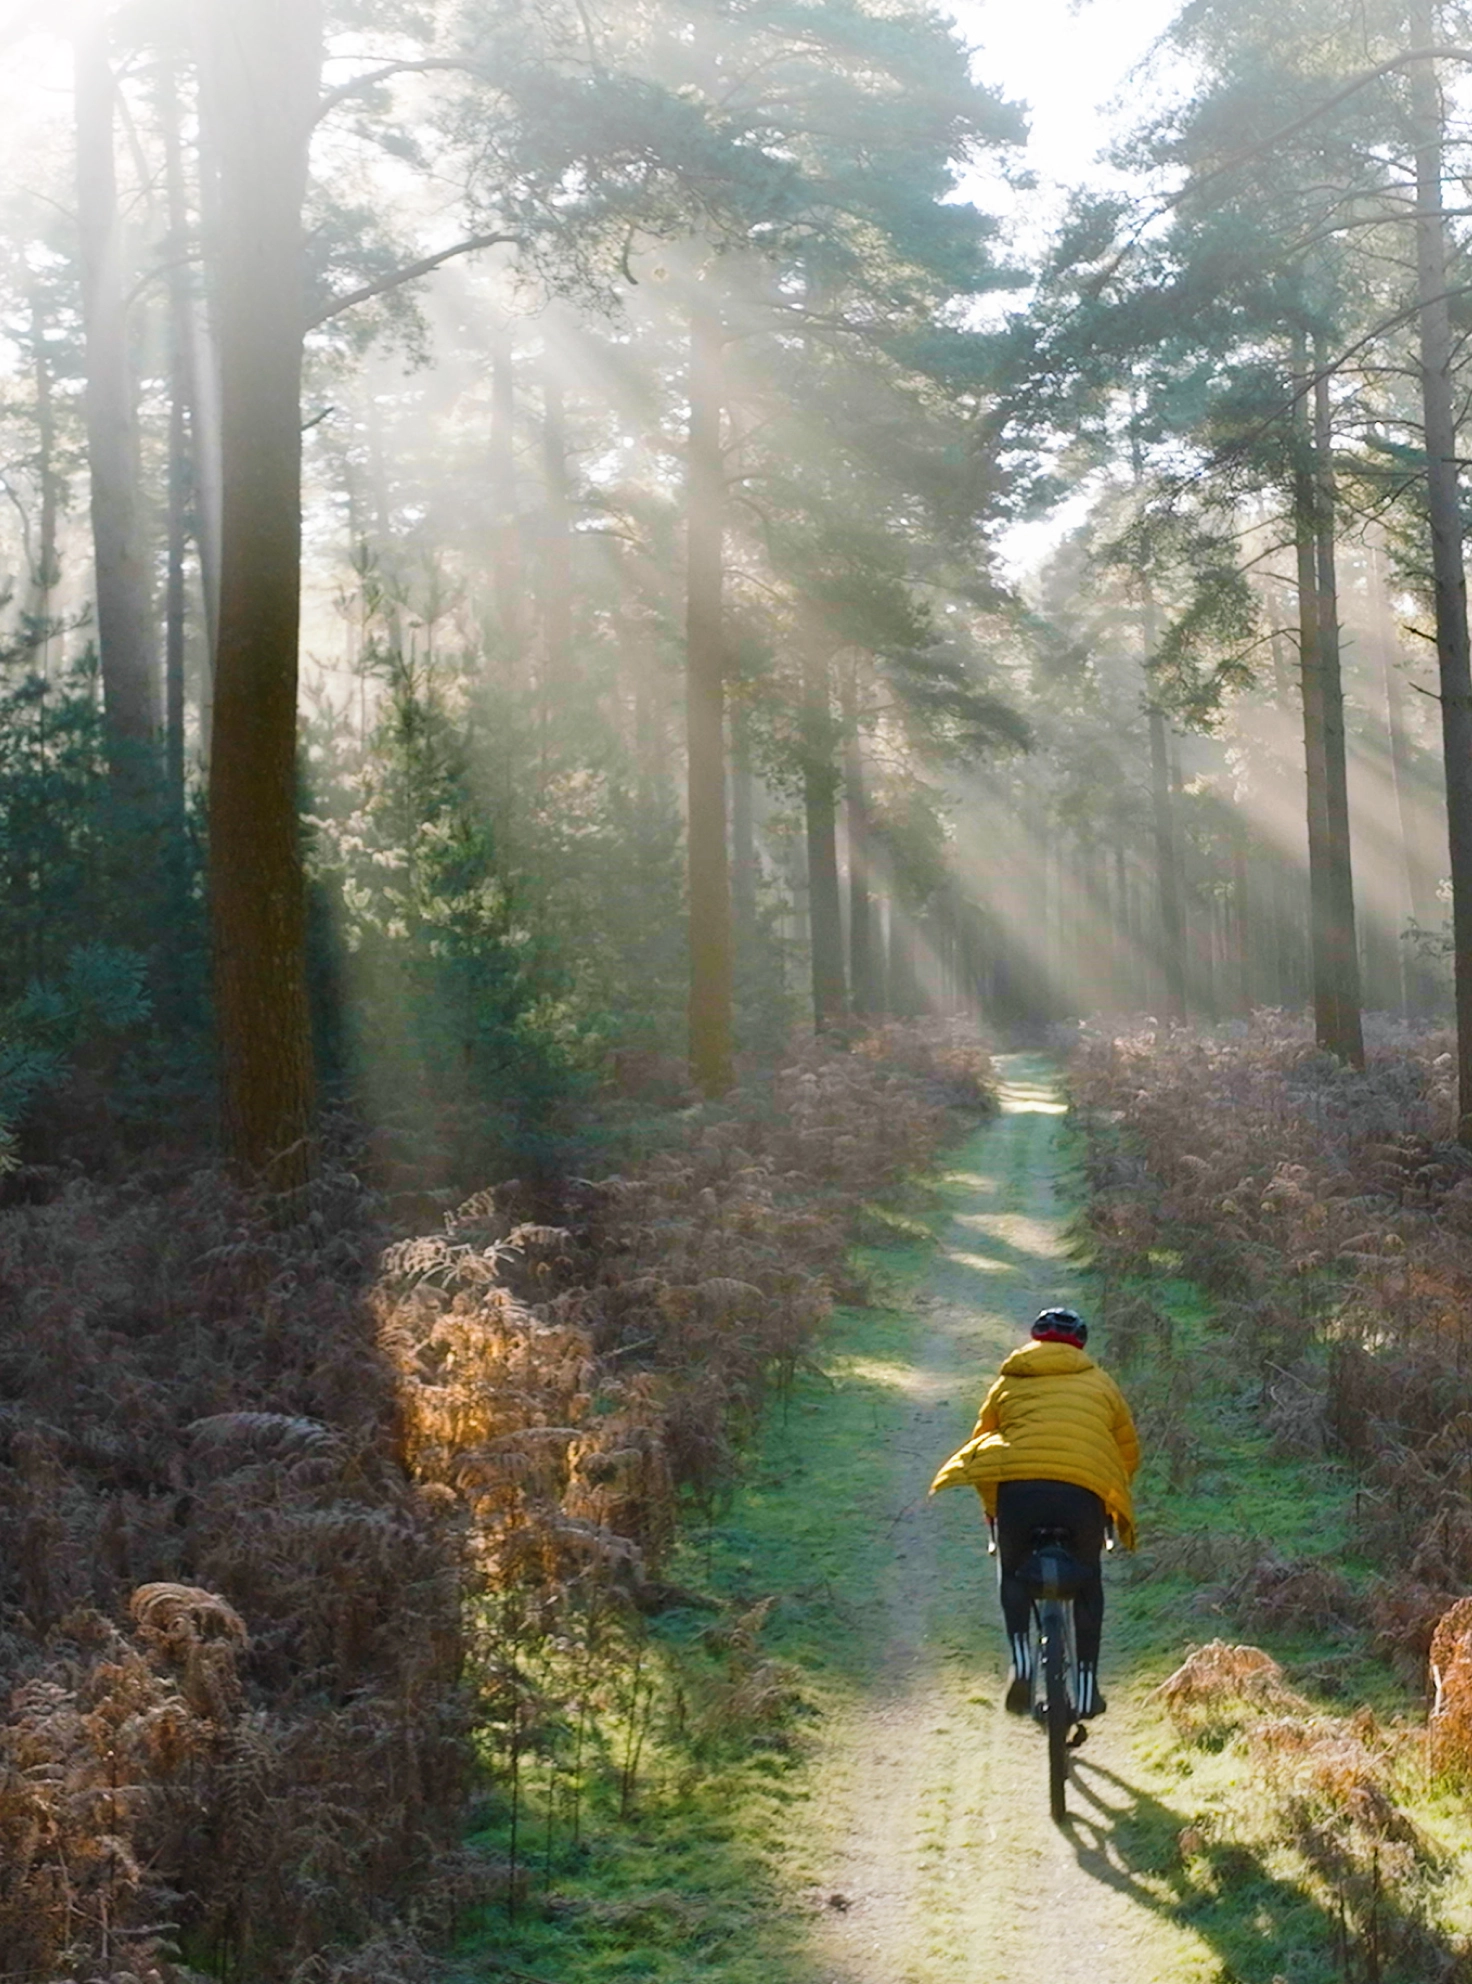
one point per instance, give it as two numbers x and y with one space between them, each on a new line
259 1432
179 1615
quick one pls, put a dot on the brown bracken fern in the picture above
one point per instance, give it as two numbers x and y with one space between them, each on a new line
285 1507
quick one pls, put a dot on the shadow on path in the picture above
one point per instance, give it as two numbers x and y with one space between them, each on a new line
1263 1926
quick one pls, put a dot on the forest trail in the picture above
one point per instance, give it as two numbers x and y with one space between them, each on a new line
928 1846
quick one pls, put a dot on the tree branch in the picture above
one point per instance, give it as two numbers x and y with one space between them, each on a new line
1451 53
396 279
429 65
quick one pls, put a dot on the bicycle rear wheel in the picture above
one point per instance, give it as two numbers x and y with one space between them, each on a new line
1057 1709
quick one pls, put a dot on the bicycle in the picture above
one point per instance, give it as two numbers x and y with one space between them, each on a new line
1053 1577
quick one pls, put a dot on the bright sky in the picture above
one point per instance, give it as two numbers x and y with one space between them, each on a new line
1067 60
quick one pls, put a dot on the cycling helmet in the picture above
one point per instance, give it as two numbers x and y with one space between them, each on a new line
1061 1326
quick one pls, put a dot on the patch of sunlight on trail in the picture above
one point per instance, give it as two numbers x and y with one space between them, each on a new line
1016 1230
982 1263
1022 1099
910 1378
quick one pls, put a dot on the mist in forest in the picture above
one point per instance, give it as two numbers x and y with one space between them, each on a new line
595 599
650 672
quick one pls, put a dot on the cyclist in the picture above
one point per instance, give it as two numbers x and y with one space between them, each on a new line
1054 1448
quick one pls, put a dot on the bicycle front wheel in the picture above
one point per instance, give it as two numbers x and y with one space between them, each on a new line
1057 1710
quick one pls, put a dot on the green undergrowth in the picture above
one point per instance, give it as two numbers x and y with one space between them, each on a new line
657 1859
1274 1847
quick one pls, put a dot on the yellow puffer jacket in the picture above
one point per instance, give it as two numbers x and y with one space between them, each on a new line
1052 1415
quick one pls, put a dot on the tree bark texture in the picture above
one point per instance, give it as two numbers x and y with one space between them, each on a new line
705 689
820 816
261 68
1310 661
126 638
1349 1042
1443 505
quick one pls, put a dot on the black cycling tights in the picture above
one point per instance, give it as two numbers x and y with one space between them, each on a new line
1025 1506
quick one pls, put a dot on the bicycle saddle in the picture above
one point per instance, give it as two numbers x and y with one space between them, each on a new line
1052 1570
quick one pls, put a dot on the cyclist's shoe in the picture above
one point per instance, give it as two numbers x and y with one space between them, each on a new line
1019 1680
1090 1701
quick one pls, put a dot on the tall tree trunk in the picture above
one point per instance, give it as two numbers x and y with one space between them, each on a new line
1349 1043
820 817
209 493
1310 661
1172 924
45 572
1241 917
1443 503
743 833
125 630
175 593
556 544
262 67
180 479
861 933
705 691
1127 939
1288 925
1419 900
903 1000
505 507
206 424
1171 910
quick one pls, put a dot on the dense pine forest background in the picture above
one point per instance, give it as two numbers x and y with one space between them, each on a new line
655 396
521 721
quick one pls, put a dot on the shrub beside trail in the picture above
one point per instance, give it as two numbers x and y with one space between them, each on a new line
287 1512
1328 1215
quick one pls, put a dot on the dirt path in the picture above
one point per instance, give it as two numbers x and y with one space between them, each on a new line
928 1835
